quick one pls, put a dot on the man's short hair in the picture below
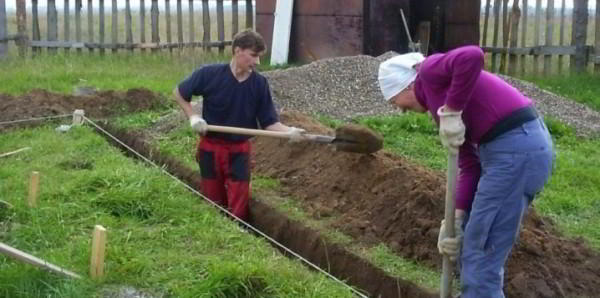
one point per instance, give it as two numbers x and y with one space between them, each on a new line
248 39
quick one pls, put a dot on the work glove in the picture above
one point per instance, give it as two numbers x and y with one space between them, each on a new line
452 129
296 134
450 246
198 124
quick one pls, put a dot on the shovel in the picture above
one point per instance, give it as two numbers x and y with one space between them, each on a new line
349 137
447 268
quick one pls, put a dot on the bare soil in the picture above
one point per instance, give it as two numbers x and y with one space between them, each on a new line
377 198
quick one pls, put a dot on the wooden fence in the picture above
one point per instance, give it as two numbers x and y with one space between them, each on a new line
96 38
529 54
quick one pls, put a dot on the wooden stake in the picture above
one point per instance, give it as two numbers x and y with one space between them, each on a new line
98 246
27 258
14 152
34 183
78 117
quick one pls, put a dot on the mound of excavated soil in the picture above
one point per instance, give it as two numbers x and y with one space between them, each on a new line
41 103
385 198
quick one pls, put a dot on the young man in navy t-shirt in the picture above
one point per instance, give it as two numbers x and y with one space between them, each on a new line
236 95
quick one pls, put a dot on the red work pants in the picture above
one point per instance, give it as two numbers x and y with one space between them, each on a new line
225 172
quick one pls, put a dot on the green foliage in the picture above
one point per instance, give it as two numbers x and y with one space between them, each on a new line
583 88
160 237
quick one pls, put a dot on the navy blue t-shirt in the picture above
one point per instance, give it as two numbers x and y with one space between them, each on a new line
228 102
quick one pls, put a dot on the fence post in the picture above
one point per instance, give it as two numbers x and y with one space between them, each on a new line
179 25
495 36
154 21
206 24
52 23
128 28
597 44
249 15
142 24
67 24
22 27
115 26
101 26
514 36
3 43
524 36
78 6
579 35
235 27
220 26
168 16
561 40
35 26
485 23
90 14
536 35
549 35
505 36
191 21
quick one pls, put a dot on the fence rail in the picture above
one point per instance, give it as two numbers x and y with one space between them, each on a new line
169 28
533 54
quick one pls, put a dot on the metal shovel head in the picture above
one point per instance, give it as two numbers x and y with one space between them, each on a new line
357 138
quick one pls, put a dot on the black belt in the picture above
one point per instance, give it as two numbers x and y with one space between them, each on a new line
512 121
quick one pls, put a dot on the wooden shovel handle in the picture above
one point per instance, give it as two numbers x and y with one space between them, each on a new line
248 131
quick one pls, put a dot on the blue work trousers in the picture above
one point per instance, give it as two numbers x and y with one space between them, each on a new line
515 167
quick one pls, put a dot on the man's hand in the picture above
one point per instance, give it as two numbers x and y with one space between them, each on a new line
452 128
198 124
296 134
451 246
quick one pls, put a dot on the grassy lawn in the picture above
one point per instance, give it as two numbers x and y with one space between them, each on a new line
160 238
572 197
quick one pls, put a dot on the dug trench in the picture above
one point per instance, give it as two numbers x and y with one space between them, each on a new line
377 198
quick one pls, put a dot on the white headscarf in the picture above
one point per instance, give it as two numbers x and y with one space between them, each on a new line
396 73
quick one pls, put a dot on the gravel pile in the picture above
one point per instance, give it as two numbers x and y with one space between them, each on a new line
346 87
343 87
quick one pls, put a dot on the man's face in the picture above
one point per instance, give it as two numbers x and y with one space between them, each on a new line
407 100
246 59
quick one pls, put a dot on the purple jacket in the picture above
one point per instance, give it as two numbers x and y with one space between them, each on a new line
458 80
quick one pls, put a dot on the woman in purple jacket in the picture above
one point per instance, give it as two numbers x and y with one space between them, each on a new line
505 154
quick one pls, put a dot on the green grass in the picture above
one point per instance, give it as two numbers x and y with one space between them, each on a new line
160 237
583 88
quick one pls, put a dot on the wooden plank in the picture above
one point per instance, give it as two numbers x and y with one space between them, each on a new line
179 22
505 34
485 22
514 37
539 50
15 151
496 10
549 35
29 259
524 35
34 186
142 22
191 21
128 23
98 249
154 21
78 5
101 25
249 15
597 42
3 33
235 27
168 20
281 32
220 24
22 27
35 24
579 35
90 15
206 23
536 34
52 23
562 34
67 22
115 24
424 33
